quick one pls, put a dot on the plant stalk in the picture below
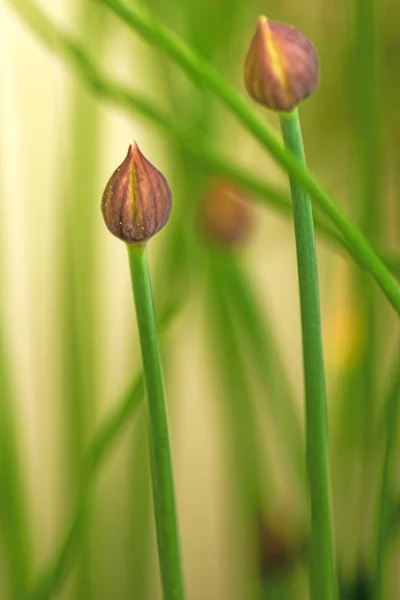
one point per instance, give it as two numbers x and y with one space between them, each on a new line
385 507
323 582
160 456
367 118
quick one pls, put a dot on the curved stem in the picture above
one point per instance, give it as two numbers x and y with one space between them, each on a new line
203 72
160 458
322 573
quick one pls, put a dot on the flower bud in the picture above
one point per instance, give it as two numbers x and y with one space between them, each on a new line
277 548
137 200
281 68
227 216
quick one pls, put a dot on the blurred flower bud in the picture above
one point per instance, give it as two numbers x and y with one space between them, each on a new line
277 547
281 66
227 216
137 200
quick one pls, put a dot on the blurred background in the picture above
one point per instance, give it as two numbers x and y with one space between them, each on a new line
225 269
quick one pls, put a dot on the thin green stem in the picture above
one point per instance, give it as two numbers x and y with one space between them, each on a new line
160 458
140 527
323 582
203 72
392 408
191 140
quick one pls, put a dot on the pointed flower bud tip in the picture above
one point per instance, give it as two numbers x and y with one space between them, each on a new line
281 67
226 215
137 200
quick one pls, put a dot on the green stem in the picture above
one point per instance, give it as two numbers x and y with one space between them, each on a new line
106 88
160 458
140 527
371 175
323 574
202 72
392 408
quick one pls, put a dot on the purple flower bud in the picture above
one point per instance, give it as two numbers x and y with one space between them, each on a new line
137 200
282 66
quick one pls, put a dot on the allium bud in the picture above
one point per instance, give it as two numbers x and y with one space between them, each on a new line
277 548
282 66
227 216
137 200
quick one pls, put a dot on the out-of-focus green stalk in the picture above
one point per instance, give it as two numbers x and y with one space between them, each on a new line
386 499
78 255
247 465
160 458
368 134
258 336
14 518
13 498
323 581
367 116
78 271
190 140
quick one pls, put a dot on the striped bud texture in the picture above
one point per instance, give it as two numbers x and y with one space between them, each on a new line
136 203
